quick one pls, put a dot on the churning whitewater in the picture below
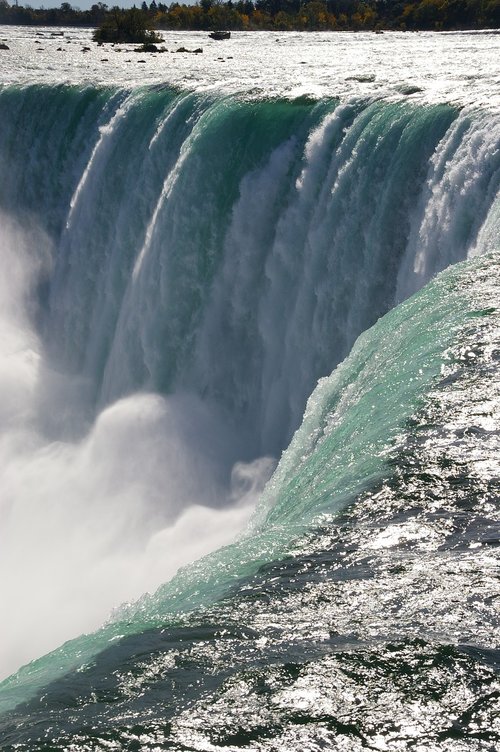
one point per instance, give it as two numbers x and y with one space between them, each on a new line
179 270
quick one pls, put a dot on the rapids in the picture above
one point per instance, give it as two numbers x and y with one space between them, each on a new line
258 327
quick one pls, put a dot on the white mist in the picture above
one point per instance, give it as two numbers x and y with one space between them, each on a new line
87 524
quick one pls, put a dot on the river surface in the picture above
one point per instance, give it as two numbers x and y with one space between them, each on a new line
249 392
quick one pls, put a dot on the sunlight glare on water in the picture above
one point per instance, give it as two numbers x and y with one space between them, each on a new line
458 67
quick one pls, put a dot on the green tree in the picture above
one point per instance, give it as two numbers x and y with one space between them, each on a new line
126 26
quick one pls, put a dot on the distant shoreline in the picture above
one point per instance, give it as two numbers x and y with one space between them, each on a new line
274 15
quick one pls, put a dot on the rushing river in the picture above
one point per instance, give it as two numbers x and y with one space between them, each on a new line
249 393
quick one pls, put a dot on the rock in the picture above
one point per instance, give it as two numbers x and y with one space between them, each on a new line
218 35
408 90
3 46
148 47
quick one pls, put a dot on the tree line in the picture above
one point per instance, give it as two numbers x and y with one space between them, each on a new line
276 15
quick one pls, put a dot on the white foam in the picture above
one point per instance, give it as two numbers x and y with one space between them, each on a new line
88 523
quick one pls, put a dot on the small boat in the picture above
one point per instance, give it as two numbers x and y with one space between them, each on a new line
220 35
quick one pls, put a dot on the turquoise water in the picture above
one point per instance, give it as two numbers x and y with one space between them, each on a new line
281 229
179 271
